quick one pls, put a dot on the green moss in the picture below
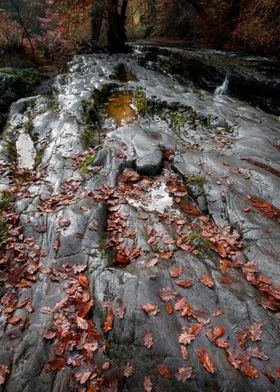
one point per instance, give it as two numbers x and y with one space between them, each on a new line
90 138
3 231
6 200
83 167
140 101
196 179
198 241
10 149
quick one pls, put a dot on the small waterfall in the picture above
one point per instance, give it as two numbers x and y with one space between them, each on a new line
220 90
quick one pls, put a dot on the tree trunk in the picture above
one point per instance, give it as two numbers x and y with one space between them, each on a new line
116 31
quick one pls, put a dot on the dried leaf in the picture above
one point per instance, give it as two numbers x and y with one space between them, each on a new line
163 371
216 333
186 338
148 339
249 370
129 370
83 280
152 262
148 386
151 309
183 374
108 324
48 334
82 376
256 332
55 364
169 308
206 360
166 294
4 371
176 272
56 245
184 352
184 283
120 309
206 280
82 323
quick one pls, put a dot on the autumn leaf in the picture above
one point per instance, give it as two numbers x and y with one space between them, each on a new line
120 309
151 309
206 280
163 371
108 324
55 364
186 338
166 294
83 280
148 386
82 323
256 353
148 339
184 352
56 245
249 370
256 332
216 333
206 360
48 334
169 308
176 272
152 262
183 374
184 283
4 371
166 255
129 370
82 376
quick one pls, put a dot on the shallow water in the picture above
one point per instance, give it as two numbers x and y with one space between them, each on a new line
119 108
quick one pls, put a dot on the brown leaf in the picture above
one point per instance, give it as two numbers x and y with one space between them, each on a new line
56 245
129 370
163 371
82 376
152 262
256 353
206 280
186 338
48 334
82 323
83 280
14 320
151 309
166 294
215 333
166 255
176 272
108 324
120 309
184 352
249 370
148 386
169 308
206 360
148 339
184 283
256 332
55 364
4 371
183 374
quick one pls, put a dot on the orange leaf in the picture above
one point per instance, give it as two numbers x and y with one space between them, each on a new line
169 308
215 333
150 309
163 371
206 280
184 283
108 324
148 386
176 272
83 280
206 360
148 339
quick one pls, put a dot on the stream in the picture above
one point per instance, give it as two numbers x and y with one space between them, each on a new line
143 250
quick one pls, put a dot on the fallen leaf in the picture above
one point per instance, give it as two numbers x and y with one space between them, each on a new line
152 262
184 283
183 374
148 339
249 370
48 334
184 352
166 294
55 364
176 272
82 376
169 308
186 338
151 309
256 353
216 333
4 371
206 360
163 371
120 309
148 386
56 245
83 280
108 324
206 280
129 370
256 331
82 323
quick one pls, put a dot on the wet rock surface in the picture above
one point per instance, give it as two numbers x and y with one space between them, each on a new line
149 261
253 79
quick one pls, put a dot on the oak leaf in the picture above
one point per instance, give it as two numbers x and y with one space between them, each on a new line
206 360
129 370
150 309
163 371
206 280
183 374
148 386
148 339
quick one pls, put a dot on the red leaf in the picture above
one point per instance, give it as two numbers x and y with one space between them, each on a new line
183 374
186 338
163 371
152 262
108 324
166 294
249 370
256 332
82 323
166 255
206 360
184 352
150 309
169 308
48 334
82 376
22 283
184 283
55 364
148 339
206 280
